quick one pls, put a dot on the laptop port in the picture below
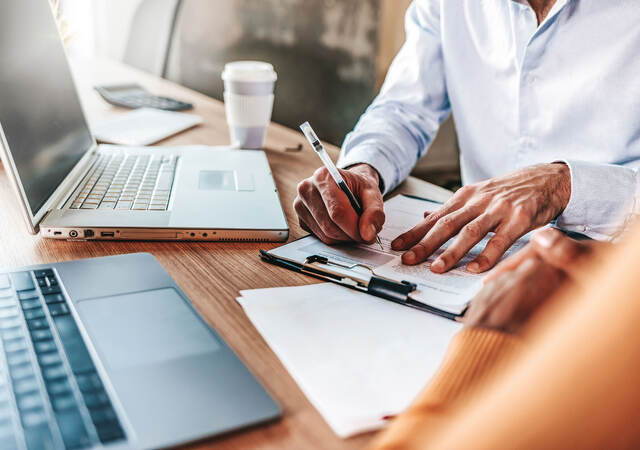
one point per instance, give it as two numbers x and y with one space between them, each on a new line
57 233
73 234
88 233
107 234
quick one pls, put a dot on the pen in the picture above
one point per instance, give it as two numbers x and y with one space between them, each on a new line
333 170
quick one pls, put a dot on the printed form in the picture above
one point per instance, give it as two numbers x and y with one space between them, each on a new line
450 291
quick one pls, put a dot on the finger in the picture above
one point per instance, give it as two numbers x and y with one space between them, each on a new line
413 236
307 219
469 236
561 251
337 205
441 232
315 205
486 300
372 218
510 264
495 248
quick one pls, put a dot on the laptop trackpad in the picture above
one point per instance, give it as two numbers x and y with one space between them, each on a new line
144 328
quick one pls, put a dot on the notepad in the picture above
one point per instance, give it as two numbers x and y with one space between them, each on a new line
144 126
357 358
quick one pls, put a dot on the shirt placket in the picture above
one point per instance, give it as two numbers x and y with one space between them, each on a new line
530 41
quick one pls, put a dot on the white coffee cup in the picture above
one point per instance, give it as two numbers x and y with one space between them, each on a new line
248 100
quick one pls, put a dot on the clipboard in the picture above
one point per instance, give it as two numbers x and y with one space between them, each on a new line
361 277
365 280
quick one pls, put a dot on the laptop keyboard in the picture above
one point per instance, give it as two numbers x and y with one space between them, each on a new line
128 182
51 395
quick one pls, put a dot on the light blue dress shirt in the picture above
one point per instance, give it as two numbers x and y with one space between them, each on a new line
521 94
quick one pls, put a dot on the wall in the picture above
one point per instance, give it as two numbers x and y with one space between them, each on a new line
325 53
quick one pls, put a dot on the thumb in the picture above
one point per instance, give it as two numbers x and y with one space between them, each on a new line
561 251
372 218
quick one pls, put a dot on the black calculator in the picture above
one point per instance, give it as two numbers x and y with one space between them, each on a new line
135 96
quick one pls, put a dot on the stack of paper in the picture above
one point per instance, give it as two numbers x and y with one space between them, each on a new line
356 357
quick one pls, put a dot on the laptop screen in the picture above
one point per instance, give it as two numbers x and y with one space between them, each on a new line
40 113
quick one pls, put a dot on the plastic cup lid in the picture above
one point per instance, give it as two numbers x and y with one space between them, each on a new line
249 71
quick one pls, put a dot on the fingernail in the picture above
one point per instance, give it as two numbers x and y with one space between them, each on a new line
409 257
398 243
546 238
473 267
438 265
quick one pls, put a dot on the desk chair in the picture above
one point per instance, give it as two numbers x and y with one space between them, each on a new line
151 34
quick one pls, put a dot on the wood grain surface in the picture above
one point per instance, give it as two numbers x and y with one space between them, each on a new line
211 274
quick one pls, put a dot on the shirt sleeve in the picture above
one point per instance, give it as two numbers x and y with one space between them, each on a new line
603 199
398 127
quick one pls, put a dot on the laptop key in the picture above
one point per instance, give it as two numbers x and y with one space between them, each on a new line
38 324
54 372
29 401
103 414
8 313
21 372
58 309
54 298
76 351
41 335
50 290
108 432
49 359
58 387
15 345
25 295
35 313
74 433
123 205
30 303
12 333
25 386
18 358
96 399
45 346
63 402
10 323
22 281
39 437
89 382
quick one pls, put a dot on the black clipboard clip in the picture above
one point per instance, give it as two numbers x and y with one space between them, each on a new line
364 280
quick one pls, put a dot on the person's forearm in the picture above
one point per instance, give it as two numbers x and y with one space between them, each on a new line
402 121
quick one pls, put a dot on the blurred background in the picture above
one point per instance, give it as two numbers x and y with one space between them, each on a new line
331 55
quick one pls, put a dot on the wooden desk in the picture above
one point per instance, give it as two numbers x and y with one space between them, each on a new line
207 272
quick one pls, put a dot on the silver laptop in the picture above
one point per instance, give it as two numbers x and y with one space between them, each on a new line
109 352
71 188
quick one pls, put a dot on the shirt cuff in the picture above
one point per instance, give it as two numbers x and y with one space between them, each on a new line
371 155
602 199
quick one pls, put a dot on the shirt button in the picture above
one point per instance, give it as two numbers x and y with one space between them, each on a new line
526 142
532 79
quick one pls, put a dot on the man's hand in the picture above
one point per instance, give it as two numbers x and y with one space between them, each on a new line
324 210
520 285
510 205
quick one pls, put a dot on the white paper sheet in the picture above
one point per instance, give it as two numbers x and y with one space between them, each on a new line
356 357
450 291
